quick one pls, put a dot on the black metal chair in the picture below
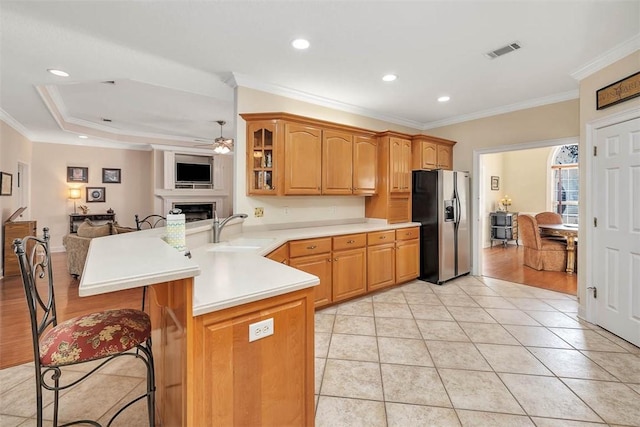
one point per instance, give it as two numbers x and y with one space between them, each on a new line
104 335
150 221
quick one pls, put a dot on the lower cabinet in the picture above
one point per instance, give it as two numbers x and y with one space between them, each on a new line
318 265
209 373
354 264
349 273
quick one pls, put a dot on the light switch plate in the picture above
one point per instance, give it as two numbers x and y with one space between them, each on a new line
261 329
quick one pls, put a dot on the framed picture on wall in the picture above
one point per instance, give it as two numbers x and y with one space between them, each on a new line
111 176
6 184
96 194
77 174
495 183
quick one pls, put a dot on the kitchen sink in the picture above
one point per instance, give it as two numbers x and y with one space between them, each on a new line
247 241
232 248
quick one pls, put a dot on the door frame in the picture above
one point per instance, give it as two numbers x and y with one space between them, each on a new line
589 310
478 194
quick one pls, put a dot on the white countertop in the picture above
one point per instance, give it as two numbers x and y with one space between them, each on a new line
226 274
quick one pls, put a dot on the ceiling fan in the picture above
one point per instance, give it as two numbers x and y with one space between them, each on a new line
222 145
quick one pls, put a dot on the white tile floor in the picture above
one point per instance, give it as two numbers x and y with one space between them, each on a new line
473 352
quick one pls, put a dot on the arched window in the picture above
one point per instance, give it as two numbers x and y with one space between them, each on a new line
566 183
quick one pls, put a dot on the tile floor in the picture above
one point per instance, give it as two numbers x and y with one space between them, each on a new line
473 352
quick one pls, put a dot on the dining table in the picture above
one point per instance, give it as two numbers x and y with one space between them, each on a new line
570 232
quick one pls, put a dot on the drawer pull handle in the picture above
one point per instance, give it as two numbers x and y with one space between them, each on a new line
383 237
312 247
351 241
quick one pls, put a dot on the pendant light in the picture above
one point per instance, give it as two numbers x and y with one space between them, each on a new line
222 145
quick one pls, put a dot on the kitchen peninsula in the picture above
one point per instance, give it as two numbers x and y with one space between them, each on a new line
202 308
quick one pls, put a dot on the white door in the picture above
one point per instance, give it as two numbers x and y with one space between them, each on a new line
617 234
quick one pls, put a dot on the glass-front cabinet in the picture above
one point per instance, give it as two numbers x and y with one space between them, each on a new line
262 159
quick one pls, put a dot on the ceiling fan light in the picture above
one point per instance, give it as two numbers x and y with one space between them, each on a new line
222 145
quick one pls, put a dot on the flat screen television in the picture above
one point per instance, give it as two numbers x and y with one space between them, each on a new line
193 173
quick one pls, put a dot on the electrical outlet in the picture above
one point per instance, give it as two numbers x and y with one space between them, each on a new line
258 212
285 210
261 329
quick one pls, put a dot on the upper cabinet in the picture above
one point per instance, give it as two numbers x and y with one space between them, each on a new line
430 152
400 162
302 159
294 155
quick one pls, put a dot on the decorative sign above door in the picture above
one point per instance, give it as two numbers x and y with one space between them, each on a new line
617 92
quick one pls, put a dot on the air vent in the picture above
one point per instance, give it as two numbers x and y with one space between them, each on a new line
503 50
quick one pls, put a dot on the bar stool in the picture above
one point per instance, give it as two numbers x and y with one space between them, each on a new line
104 335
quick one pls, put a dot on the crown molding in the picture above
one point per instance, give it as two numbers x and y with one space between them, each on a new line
609 57
248 82
537 102
8 119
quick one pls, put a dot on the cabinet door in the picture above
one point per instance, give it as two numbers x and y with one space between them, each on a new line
429 154
280 255
349 273
262 159
365 165
381 266
400 160
318 265
337 162
407 260
303 159
445 157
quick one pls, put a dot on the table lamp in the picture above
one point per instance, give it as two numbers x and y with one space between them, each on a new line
74 194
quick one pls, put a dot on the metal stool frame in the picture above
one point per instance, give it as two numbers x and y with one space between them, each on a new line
35 263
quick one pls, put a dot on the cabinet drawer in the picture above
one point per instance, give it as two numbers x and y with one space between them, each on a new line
381 237
408 233
349 241
309 247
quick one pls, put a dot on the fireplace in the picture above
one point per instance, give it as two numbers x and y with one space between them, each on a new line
196 211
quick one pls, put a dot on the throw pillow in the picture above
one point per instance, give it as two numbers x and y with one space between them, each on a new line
88 229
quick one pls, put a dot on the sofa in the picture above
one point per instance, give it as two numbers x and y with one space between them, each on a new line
77 245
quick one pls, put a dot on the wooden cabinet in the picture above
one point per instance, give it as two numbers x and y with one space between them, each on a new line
207 369
430 152
407 254
393 199
295 155
381 262
280 254
365 165
15 230
263 158
314 257
303 159
400 162
337 162
349 266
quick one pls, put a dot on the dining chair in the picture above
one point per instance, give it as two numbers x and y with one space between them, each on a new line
544 218
100 336
539 253
150 221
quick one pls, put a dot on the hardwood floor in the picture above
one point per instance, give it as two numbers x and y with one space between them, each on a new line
505 262
15 341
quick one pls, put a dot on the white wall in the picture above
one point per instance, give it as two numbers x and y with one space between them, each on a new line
491 166
300 209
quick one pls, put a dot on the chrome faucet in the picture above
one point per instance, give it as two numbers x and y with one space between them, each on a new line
218 226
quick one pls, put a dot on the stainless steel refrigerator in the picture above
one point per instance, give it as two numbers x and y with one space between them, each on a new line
441 205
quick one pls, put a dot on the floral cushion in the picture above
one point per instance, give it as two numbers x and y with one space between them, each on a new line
94 336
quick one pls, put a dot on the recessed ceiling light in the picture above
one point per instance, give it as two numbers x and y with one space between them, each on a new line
83 136
444 98
300 44
389 77
59 73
